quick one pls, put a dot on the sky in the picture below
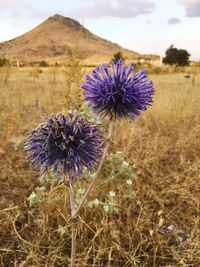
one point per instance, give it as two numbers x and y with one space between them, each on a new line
144 26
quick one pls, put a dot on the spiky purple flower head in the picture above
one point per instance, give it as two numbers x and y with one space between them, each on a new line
65 144
118 92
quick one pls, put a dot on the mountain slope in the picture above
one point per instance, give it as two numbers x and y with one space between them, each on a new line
56 38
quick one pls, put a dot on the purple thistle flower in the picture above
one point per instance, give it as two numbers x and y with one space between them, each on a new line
65 145
118 93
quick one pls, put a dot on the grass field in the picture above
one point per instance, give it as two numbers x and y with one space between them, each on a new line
145 210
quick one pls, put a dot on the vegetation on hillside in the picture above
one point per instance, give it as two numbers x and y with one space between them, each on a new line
117 56
3 62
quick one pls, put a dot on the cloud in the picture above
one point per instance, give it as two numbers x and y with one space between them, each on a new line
9 23
21 8
117 8
13 4
192 7
16 8
173 21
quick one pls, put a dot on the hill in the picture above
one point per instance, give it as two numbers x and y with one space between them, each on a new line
56 38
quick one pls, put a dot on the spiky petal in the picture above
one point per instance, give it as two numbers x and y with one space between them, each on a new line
65 145
118 92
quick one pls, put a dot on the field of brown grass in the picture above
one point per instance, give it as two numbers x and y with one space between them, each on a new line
145 209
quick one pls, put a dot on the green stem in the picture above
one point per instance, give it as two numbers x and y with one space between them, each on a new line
74 231
76 211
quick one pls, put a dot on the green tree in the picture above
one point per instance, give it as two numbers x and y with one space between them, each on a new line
174 56
3 62
117 56
43 64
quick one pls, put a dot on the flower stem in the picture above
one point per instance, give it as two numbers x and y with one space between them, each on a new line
73 236
111 126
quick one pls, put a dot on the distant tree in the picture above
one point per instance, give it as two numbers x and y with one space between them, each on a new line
117 57
3 62
174 56
183 57
43 64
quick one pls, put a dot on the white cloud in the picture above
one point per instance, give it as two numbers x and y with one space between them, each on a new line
117 8
13 4
9 23
19 8
173 21
192 7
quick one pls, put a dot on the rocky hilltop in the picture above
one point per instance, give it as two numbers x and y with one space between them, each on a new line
57 38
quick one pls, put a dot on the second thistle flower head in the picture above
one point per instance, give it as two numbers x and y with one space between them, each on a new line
65 144
118 93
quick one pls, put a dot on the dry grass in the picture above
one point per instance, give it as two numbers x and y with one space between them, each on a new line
157 226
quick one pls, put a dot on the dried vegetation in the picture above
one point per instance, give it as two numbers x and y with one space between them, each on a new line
149 217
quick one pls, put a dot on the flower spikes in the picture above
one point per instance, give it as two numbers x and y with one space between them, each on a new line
118 92
65 145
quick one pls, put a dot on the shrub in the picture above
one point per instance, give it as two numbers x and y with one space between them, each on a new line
43 64
3 62
174 56
117 57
